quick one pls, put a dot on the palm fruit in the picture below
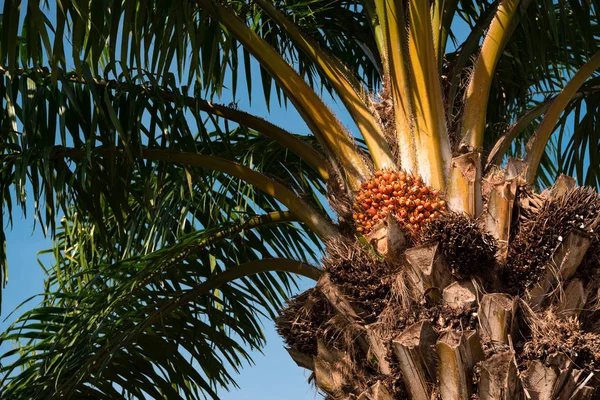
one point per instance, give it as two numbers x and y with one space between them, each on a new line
403 195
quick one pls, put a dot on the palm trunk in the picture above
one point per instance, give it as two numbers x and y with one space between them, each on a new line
436 320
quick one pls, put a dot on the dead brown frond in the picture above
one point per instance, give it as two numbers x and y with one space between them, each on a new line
551 334
304 320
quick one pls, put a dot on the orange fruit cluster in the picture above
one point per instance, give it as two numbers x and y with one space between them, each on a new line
403 195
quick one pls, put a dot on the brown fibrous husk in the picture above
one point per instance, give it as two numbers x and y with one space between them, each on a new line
467 250
383 105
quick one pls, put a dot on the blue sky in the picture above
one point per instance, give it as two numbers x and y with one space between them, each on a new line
274 375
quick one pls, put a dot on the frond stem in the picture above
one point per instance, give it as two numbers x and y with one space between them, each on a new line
478 91
344 83
320 120
448 11
467 50
389 22
503 144
431 134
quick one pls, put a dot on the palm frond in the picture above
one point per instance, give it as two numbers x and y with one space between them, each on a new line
108 114
537 144
104 127
171 323
574 149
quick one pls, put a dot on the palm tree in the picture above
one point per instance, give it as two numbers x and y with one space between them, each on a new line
178 222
